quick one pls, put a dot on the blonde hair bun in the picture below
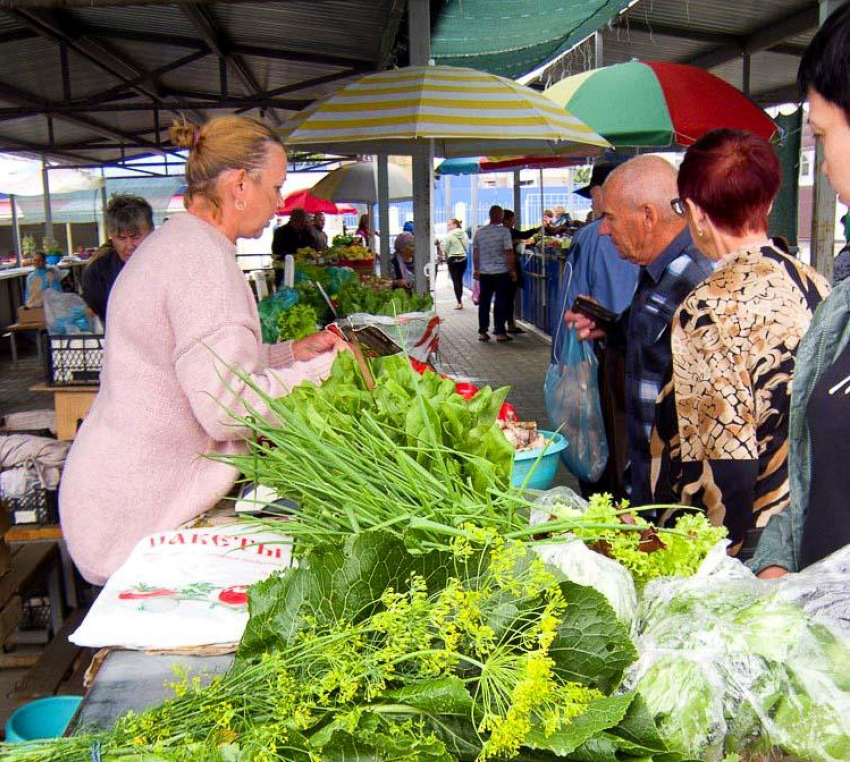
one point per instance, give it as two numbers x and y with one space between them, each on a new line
182 133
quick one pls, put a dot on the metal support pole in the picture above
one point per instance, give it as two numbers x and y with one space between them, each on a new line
45 186
473 203
598 51
419 33
823 212
16 230
69 234
517 198
384 214
745 74
102 232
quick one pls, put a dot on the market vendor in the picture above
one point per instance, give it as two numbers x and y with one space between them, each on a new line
184 354
401 263
40 280
129 220
816 523
288 238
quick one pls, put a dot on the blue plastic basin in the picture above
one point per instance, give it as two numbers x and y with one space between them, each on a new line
43 718
544 469
52 259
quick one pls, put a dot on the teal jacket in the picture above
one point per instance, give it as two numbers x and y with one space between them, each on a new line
826 339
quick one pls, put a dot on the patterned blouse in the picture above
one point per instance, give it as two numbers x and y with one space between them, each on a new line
721 435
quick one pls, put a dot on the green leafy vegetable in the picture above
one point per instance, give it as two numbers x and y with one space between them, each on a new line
296 323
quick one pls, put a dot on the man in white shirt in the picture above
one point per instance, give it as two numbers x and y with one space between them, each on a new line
494 268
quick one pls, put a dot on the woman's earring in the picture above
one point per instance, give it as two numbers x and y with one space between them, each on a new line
241 206
699 232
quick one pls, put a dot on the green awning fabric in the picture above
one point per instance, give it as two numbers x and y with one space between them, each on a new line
783 217
85 206
514 38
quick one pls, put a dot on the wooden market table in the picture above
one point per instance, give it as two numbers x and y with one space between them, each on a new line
137 680
72 405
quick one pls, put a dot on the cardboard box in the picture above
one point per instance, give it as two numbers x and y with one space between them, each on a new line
33 316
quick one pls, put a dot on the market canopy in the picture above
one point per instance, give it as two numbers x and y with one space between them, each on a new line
514 38
25 179
86 206
94 82
462 112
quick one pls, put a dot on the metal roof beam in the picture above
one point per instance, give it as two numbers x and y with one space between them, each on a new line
218 41
14 145
632 24
61 28
282 54
771 35
786 94
33 108
164 69
388 38
27 100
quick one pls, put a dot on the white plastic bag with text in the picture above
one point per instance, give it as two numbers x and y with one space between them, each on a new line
183 589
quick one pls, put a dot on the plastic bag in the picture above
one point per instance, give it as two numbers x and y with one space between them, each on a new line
733 664
476 292
581 565
270 309
571 395
67 314
183 589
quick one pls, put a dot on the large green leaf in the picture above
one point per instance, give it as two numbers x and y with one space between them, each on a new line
336 582
600 716
637 733
592 646
445 696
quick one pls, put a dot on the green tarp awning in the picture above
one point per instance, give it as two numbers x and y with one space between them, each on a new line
514 38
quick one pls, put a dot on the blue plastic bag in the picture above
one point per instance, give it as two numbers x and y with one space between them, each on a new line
271 307
571 395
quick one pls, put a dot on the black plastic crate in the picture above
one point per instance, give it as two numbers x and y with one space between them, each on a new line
75 359
38 506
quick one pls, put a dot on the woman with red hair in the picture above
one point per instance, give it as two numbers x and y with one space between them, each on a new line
721 436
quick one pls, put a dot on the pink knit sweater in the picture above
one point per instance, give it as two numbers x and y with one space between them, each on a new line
136 464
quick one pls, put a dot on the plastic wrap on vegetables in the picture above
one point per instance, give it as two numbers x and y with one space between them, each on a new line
733 664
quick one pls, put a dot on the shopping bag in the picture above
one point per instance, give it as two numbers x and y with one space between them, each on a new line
476 292
571 395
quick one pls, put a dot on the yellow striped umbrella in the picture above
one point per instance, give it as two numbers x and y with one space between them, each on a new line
463 111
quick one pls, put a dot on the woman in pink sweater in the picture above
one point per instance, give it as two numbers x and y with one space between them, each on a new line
181 319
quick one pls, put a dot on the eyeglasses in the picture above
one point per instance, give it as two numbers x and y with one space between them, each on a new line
678 206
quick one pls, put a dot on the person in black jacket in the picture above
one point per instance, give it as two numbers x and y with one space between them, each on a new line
517 236
129 220
288 238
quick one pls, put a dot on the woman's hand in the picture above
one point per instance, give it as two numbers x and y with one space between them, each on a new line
317 344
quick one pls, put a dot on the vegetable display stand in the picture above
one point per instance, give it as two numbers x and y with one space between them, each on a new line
358 265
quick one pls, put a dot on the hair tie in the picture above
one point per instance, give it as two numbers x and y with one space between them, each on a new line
196 137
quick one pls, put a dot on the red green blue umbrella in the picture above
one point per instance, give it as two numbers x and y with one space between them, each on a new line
652 103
